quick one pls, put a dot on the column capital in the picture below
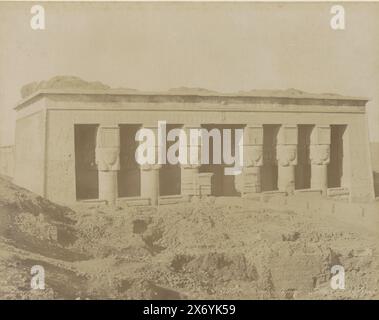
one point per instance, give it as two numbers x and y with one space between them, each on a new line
253 135
319 154
287 134
321 134
108 136
109 125
151 126
148 167
286 154
192 126
190 166
253 155
107 152
253 145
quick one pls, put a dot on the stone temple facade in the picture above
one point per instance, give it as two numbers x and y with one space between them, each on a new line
79 145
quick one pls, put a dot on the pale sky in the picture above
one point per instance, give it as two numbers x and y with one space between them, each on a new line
225 47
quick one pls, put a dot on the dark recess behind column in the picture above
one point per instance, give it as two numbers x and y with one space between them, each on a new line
86 174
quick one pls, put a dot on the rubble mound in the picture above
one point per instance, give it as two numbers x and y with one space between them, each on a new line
217 265
62 82
213 248
76 83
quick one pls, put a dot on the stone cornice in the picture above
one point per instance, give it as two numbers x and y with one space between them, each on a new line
114 95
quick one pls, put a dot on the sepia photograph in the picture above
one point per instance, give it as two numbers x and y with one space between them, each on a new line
189 151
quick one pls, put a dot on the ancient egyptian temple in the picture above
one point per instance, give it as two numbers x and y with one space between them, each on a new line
79 145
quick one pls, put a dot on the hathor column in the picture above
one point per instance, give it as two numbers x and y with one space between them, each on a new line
150 172
108 161
190 170
286 155
319 157
252 159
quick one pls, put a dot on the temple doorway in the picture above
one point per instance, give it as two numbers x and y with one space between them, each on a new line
86 174
170 174
338 166
221 184
129 175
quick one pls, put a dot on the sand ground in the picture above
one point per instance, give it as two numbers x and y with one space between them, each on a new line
214 248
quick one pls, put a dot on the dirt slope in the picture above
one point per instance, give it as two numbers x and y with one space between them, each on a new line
215 248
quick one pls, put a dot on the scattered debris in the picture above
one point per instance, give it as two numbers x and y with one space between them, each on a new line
198 250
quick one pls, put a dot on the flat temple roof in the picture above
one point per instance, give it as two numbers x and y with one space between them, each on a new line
284 96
